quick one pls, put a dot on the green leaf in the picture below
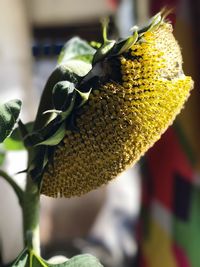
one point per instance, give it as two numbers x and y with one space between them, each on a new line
76 48
84 260
15 140
12 144
77 56
57 259
29 258
22 259
37 262
77 66
9 113
2 154
2 157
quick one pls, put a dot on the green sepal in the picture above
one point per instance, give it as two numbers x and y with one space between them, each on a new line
51 134
53 111
61 94
38 136
124 45
66 113
107 45
46 139
129 42
58 115
42 156
111 48
83 96
66 98
61 73
154 22
103 51
56 138
9 113
95 44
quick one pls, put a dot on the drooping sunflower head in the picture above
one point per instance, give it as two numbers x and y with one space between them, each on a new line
134 90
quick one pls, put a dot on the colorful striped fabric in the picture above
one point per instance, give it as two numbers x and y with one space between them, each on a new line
170 228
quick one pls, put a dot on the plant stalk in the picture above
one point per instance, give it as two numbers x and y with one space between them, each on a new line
31 212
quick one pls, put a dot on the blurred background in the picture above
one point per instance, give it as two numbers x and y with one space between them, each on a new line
150 215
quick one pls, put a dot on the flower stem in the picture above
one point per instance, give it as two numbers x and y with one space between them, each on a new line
31 210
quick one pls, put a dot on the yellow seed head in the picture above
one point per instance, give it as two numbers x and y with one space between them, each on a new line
122 120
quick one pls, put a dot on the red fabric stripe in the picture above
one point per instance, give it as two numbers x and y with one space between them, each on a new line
180 256
164 160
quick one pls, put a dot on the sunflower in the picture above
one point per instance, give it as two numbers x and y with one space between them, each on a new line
103 118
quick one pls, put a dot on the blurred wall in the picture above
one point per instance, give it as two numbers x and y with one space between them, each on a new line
16 80
46 12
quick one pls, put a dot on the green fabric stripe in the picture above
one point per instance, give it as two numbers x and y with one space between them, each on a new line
185 143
